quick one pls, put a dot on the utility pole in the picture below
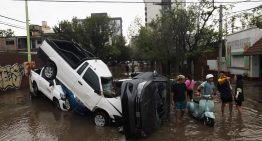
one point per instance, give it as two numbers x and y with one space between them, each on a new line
28 40
28 34
220 38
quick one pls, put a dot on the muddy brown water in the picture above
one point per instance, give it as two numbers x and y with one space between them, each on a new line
25 119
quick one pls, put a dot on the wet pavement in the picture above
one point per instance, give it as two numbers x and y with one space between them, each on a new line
24 119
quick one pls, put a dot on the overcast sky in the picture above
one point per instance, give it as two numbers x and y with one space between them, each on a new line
55 12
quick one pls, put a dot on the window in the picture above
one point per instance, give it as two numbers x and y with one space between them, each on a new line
92 79
82 68
11 42
237 61
107 85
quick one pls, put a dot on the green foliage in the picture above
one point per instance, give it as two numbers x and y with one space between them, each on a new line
247 18
6 33
179 34
119 51
94 34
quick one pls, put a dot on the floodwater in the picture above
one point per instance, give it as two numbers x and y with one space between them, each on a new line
25 119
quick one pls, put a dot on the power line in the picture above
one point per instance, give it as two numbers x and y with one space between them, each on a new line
12 19
238 12
11 25
136 2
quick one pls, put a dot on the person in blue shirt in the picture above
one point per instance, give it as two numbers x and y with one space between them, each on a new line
208 85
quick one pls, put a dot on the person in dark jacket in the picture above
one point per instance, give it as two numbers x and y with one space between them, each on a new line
179 97
239 94
225 90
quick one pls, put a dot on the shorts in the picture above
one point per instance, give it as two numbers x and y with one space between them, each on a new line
238 102
180 105
227 99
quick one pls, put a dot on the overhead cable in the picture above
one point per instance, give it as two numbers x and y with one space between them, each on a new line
12 19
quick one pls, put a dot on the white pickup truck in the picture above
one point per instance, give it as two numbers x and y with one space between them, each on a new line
51 89
86 79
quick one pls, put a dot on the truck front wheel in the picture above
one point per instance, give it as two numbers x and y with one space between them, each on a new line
101 118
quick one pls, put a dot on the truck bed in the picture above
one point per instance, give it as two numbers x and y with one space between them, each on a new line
72 53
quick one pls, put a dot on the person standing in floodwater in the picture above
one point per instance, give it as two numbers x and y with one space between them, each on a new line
239 94
225 89
178 97
190 83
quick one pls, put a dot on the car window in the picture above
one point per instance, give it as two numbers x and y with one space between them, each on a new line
82 68
91 79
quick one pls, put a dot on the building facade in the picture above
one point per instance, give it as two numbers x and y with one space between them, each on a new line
153 8
236 46
37 35
19 43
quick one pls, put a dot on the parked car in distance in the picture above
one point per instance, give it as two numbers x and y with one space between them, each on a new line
50 88
85 77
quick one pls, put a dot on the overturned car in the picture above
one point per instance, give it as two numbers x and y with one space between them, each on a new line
144 104
85 79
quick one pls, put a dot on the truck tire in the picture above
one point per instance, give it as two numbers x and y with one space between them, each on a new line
101 118
50 71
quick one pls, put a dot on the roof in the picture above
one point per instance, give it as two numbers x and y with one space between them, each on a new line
250 28
256 49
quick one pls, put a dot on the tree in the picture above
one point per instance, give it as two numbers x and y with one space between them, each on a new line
247 18
93 33
179 34
134 27
6 33
119 51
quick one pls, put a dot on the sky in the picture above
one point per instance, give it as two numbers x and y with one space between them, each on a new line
55 12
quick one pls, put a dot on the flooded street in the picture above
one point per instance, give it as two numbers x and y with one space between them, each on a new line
24 119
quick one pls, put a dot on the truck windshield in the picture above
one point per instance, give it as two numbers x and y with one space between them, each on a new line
107 84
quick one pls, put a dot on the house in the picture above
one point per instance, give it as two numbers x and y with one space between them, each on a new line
243 52
18 43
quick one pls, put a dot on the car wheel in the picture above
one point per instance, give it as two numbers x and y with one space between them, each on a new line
101 118
57 105
50 71
209 122
35 89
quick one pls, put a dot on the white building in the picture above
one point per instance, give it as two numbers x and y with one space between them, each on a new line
236 46
153 7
